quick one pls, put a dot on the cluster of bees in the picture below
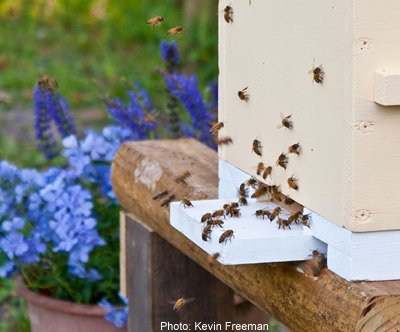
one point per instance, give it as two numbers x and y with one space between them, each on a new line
154 21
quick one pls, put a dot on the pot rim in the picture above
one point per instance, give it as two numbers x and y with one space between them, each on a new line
58 305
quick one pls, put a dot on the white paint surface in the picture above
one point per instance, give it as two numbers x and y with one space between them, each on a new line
387 87
349 161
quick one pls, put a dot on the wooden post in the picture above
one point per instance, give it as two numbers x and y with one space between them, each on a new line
158 274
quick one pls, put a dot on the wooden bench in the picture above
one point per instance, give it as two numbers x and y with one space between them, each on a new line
163 265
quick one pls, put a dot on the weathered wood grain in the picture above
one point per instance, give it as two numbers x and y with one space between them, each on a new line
296 299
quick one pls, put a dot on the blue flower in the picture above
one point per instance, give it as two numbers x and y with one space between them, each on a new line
169 54
7 269
115 315
13 245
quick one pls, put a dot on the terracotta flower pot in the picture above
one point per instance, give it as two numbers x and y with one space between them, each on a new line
50 315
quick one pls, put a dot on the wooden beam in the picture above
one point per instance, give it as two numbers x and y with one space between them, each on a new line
298 300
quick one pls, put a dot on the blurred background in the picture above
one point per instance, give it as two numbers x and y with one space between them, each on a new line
93 48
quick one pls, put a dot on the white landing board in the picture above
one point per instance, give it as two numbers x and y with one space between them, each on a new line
255 240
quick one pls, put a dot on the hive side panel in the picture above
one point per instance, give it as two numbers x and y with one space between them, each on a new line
376 179
270 47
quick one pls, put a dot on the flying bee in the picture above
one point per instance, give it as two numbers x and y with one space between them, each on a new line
262 214
223 141
294 217
292 182
267 171
295 148
206 217
160 195
260 167
155 21
225 236
257 148
228 14
282 160
206 233
317 262
305 220
243 191
186 202
218 213
212 259
180 303
183 177
46 83
174 31
286 122
283 223
168 200
242 200
317 73
216 127
288 200
251 182
213 223
275 213
243 95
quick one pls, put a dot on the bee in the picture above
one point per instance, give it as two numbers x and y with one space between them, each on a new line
243 95
318 74
317 262
223 141
275 193
262 214
213 223
234 205
292 182
212 259
160 195
174 31
305 220
180 303
295 148
183 177
260 191
294 217
288 200
260 166
216 127
242 200
286 122
282 160
206 217
46 83
206 233
155 21
257 148
228 14
186 202
283 223
267 171
168 200
275 213
218 213
243 191
234 212
226 206
225 236
251 182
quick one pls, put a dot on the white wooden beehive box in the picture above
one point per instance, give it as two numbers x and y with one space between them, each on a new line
348 169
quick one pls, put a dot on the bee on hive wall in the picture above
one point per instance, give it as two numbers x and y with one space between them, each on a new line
318 74
260 167
292 182
267 172
282 160
286 122
295 148
186 202
228 14
243 95
257 148
289 201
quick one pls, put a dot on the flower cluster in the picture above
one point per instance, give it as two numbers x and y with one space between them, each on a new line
116 315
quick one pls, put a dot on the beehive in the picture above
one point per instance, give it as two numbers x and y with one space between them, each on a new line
348 169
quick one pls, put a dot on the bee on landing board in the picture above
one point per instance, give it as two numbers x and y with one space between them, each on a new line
252 182
286 122
317 73
180 303
242 200
295 148
282 160
275 213
228 14
243 191
46 83
293 218
206 233
186 202
267 172
155 21
216 127
218 213
223 141
257 148
262 214
212 259
283 223
305 220
160 195
214 223
225 236
183 177
206 217
243 95
174 31
292 182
